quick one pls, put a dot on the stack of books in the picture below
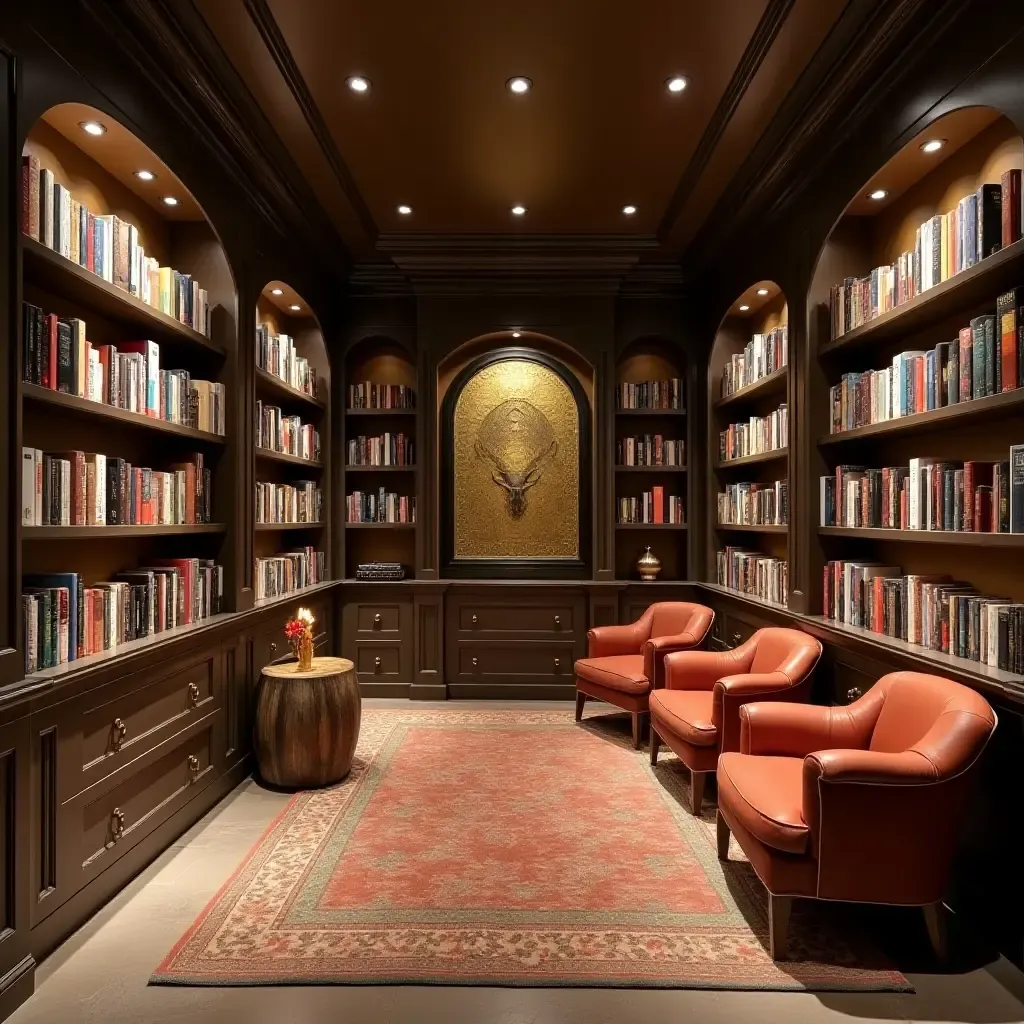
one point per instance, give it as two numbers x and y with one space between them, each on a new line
650 394
286 434
368 395
650 450
276 354
382 450
754 573
379 507
653 507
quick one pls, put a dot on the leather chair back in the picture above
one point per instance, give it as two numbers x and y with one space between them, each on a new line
790 651
669 618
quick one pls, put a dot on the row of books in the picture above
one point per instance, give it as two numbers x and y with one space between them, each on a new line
754 573
76 488
379 507
754 504
65 619
383 450
653 506
929 494
650 450
762 355
276 354
650 394
935 612
758 435
56 354
945 245
986 359
277 432
106 246
368 395
289 571
301 501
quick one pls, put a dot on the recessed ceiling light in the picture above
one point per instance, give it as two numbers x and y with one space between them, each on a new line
762 291
933 145
879 193
92 127
629 210
519 85
277 291
518 211
295 308
743 309
516 334
405 210
677 84
170 201
358 84
145 175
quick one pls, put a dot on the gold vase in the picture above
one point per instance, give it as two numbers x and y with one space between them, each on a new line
305 655
648 565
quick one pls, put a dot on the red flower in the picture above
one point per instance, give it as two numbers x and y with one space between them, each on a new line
294 629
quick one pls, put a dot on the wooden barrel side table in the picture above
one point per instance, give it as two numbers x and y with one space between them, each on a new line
307 723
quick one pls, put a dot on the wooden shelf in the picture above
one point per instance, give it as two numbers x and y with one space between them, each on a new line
269 455
380 526
650 526
984 281
1008 403
749 598
85 407
47 268
763 528
269 384
752 460
650 469
380 412
380 469
650 412
294 595
774 383
960 538
100 532
280 527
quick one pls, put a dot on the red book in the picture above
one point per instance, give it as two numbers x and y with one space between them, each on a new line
77 460
976 474
1010 182
107 356
1006 327
50 362
137 509
983 509
919 392
658 502
966 361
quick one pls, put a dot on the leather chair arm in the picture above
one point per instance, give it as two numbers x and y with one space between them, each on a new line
783 729
608 641
657 647
873 767
700 670
733 692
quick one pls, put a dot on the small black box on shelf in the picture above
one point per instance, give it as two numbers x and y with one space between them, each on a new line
380 571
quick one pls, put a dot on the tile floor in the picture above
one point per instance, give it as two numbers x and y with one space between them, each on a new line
100 973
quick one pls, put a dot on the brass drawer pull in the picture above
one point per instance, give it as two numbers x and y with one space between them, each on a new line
558 662
376 664
120 731
376 620
273 647
474 663
117 823
193 767
193 694
854 693
737 639
474 620
558 621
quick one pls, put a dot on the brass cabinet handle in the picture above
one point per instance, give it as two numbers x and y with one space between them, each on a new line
193 767
474 620
854 693
193 694
558 621
558 661
737 639
117 823
273 647
376 619
120 731
376 664
474 663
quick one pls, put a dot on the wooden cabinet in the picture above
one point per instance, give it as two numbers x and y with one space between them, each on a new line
377 636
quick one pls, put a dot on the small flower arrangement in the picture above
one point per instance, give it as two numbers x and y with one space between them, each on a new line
299 632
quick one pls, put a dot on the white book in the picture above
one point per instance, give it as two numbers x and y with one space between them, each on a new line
917 497
46 183
990 647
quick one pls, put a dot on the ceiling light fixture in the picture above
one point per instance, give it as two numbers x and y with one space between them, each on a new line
762 291
145 175
516 334
277 291
405 210
295 308
744 308
518 211
629 210
92 127
170 201
933 145
519 85
879 193
358 84
677 84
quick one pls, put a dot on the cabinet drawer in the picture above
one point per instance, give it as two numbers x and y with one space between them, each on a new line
382 662
519 661
541 617
378 619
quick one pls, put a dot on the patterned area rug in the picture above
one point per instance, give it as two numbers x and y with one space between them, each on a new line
505 848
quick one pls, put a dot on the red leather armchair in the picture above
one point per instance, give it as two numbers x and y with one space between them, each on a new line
624 663
697 714
858 803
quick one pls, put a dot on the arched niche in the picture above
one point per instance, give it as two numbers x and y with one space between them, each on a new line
748 377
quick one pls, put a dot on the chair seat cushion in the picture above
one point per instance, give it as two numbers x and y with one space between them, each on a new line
623 672
687 714
765 795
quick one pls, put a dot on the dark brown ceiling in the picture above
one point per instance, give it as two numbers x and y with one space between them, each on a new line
440 131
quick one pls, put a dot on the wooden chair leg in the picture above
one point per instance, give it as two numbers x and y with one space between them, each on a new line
937 922
655 743
581 699
637 741
779 908
697 780
723 834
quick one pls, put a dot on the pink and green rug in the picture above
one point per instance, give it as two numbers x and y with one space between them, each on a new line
504 848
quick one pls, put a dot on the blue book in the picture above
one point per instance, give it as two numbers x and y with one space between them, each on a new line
72 582
929 379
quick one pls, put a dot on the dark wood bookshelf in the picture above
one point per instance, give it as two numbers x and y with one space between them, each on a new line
753 460
773 383
960 538
281 527
992 407
651 526
985 280
268 384
380 412
761 528
62 277
380 469
87 408
112 532
749 598
650 412
294 595
650 469
269 455
380 526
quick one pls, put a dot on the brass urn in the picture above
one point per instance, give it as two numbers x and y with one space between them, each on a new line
648 565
